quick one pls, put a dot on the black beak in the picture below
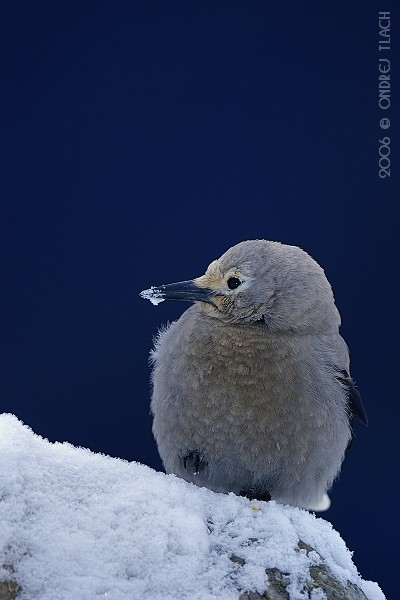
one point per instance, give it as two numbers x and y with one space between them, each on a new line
183 290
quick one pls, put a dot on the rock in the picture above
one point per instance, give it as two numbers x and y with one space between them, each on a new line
9 590
321 578
129 532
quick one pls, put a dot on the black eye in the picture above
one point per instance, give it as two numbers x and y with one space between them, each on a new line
233 283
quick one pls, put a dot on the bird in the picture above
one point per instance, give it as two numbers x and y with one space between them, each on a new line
251 388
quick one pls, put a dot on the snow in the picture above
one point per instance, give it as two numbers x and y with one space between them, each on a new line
156 301
80 525
152 294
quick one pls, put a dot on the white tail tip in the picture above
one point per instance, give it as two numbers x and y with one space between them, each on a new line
322 504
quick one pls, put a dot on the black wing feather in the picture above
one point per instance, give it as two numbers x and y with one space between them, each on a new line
355 403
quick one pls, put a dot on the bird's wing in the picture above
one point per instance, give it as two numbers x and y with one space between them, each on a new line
354 399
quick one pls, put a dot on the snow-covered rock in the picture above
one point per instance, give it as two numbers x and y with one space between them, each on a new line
78 525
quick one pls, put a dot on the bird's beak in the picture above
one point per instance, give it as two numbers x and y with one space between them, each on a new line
183 290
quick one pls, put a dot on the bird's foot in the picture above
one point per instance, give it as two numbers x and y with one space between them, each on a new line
254 494
194 463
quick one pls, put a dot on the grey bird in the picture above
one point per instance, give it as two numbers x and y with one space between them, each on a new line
251 385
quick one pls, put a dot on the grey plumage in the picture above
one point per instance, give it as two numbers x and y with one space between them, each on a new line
251 386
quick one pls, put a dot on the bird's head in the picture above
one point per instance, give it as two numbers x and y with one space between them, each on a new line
260 281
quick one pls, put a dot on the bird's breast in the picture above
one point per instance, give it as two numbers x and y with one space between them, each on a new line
220 385
207 362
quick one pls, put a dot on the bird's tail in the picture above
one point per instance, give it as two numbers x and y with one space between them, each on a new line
320 505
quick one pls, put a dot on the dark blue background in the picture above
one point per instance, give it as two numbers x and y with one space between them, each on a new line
141 139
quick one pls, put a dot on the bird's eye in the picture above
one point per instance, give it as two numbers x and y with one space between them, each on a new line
233 283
